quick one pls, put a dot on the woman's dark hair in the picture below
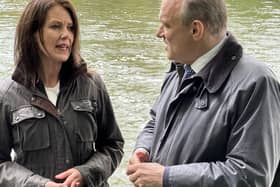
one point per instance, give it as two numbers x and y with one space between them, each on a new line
27 45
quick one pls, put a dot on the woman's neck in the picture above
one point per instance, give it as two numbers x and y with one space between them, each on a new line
49 73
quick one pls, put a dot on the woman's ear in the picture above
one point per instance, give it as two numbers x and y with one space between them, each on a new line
197 29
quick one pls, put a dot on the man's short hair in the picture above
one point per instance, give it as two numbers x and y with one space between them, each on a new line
212 13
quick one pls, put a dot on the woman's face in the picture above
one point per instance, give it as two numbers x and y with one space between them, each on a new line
58 35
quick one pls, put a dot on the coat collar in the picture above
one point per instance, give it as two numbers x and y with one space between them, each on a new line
215 72
219 68
69 72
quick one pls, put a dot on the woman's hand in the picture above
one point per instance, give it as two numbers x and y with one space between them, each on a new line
53 184
72 177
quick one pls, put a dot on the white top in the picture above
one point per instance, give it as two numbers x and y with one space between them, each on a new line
204 59
52 93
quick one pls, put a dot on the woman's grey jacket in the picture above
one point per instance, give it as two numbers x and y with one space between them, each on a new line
219 127
80 132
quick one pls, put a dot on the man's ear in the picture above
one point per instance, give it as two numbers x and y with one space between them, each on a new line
197 29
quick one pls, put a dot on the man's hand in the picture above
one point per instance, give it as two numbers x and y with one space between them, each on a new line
139 155
142 173
146 174
72 177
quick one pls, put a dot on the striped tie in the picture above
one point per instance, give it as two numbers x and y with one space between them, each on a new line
188 71
180 70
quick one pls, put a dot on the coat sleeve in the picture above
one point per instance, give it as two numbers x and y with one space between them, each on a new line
11 173
109 143
253 151
146 137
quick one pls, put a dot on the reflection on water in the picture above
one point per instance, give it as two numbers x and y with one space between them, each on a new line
8 19
256 24
118 40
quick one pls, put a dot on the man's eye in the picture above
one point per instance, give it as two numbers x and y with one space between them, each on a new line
166 25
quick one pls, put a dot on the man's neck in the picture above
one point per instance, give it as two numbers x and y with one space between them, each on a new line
212 51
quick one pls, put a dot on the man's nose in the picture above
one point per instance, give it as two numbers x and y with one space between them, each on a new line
159 32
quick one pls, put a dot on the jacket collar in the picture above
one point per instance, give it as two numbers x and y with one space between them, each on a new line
219 68
215 72
69 72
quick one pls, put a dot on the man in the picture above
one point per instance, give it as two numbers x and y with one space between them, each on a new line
216 122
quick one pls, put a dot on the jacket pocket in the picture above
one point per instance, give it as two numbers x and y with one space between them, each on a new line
32 128
86 129
83 105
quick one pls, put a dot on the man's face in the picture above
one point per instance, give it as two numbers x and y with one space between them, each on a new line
176 36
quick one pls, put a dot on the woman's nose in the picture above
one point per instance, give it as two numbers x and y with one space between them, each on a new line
65 33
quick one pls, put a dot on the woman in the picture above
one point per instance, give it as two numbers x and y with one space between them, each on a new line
54 114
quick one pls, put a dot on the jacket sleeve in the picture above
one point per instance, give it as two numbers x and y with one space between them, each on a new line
109 143
11 173
253 151
145 138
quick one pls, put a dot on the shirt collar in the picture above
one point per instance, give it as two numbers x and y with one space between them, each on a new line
207 57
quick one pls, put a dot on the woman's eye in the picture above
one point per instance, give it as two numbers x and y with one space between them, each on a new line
55 26
71 28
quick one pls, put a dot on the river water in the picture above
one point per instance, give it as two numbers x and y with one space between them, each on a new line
118 41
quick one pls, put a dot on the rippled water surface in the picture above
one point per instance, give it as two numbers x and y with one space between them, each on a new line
118 40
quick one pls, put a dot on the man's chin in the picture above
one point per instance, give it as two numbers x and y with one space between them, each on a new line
170 58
